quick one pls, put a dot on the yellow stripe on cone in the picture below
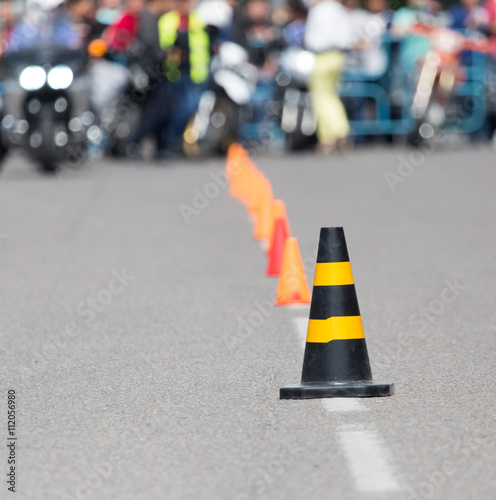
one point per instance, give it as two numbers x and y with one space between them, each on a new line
333 274
335 328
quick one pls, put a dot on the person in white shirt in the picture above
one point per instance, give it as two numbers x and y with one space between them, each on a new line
329 34
369 27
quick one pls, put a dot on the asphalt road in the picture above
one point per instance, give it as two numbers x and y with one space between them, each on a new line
147 358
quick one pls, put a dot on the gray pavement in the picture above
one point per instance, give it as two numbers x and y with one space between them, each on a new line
147 361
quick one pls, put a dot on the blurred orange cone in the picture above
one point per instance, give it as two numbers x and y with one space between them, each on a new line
263 220
232 153
292 287
242 180
278 212
277 249
253 188
232 168
235 166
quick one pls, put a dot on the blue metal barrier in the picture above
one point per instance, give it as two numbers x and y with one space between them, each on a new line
392 96
392 114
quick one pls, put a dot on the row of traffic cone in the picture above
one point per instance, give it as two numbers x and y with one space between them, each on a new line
270 226
336 361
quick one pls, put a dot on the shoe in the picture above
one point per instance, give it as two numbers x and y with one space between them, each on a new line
325 149
344 144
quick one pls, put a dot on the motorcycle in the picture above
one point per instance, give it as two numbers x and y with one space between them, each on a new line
216 123
46 104
297 118
441 74
121 110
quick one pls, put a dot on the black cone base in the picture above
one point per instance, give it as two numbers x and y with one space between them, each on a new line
338 390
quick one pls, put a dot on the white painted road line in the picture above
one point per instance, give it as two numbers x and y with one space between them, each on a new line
301 325
343 404
368 460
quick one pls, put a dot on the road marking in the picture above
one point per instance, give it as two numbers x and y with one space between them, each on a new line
298 307
343 404
368 460
301 325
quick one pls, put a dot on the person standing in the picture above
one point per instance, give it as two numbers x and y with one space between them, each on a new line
49 21
108 12
329 34
413 47
148 35
184 38
81 14
7 23
124 32
152 58
468 15
110 76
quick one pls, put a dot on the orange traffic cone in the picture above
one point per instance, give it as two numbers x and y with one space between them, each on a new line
293 286
235 149
234 168
263 219
277 249
232 154
258 191
251 186
239 170
245 180
278 212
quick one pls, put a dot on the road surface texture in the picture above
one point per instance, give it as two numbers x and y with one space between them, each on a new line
139 336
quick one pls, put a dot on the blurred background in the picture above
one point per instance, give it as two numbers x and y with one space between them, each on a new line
162 79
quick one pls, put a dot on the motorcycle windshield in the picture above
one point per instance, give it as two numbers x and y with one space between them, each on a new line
45 54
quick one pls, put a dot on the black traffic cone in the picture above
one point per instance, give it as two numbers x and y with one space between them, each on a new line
336 362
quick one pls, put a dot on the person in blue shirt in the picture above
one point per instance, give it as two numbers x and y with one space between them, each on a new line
468 15
44 21
294 31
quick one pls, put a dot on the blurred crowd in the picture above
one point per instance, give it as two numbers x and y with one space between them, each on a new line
175 41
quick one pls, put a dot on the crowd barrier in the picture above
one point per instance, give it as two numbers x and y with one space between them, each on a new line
388 99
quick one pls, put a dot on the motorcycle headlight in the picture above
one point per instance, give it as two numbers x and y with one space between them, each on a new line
32 78
305 62
60 77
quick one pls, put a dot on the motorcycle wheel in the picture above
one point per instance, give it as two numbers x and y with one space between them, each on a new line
221 131
48 155
297 140
430 126
3 152
123 130
425 133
